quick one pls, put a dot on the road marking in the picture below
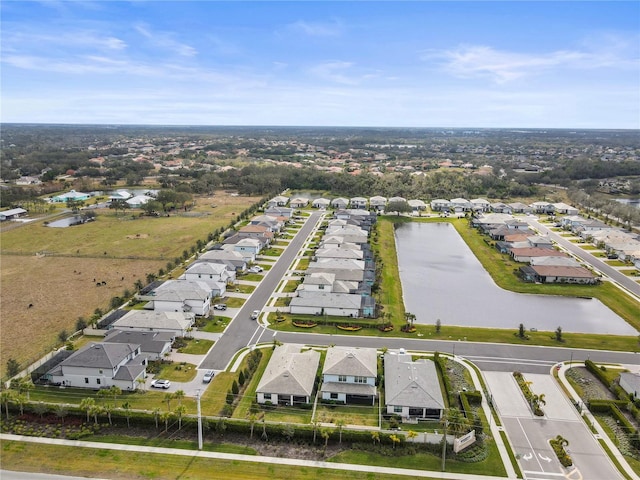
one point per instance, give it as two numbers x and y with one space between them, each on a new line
519 361
546 474
528 456
530 446
546 459
254 334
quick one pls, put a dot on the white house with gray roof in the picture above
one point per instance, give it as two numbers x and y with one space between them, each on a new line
154 345
181 296
101 365
215 275
349 375
177 323
630 383
326 303
289 376
411 388
340 202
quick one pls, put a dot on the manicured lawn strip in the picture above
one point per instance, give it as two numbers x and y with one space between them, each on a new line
630 272
120 465
272 252
217 325
145 401
303 264
234 302
197 346
240 288
366 415
474 334
242 409
253 277
589 247
613 459
383 243
422 461
178 372
512 457
282 302
616 263
291 286
207 445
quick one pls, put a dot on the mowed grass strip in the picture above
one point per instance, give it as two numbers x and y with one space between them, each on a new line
124 465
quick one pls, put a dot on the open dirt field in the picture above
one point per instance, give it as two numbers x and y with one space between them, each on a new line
61 289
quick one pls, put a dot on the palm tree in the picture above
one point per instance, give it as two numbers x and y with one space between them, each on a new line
61 411
411 434
375 436
179 395
87 404
456 422
107 408
6 396
167 398
165 417
180 410
115 391
315 429
40 408
25 385
394 439
252 421
340 424
325 433
126 406
20 400
156 414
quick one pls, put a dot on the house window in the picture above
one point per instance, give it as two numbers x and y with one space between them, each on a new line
320 287
86 380
342 378
360 379
266 396
333 396
100 372
98 381
397 409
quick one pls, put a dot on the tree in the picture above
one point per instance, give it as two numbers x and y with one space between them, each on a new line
180 411
165 417
25 385
438 326
126 406
234 388
40 408
340 425
411 434
375 436
6 396
288 431
559 334
179 395
456 422
87 404
156 415
167 398
394 439
118 204
521 331
325 433
20 401
13 367
398 207
409 318
252 421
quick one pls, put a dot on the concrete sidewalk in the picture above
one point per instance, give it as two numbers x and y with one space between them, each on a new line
248 458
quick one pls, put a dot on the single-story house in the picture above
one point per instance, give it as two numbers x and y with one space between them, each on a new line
527 253
339 202
152 344
564 209
349 375
519 207
285 212
138 201
417 205
177 323
412 388
499 207
181 296
289 376
326 303
101 365
71 195
278 201
231 259
321 203
377 203
558 274
299 202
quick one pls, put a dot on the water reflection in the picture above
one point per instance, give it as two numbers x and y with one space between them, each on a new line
442 279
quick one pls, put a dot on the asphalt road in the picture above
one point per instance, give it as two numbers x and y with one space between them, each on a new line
242 331
620 278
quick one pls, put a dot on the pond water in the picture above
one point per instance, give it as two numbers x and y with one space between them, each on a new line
442 279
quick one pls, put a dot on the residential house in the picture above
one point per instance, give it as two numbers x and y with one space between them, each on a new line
289 377
558 274
398 200
321 203
278 201
299 202
542 207
339 239
178 323
339 203
519 207
153 345
285 212
460 205
377 203
630 383
101 365
349 375
358 203
527 253
344 269
326 303
248 248
275 224
412 388
440 205
417 205
339 252
215 275
499 207
181 296
71 195
232 260
138 201
564 209
480 205
558 261
120 195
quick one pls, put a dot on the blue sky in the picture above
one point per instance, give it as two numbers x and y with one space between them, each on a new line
422 64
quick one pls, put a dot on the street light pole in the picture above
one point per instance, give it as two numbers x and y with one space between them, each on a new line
199 422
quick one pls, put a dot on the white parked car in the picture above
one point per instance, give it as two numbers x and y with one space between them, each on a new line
161 384
255 314
256 269
208 376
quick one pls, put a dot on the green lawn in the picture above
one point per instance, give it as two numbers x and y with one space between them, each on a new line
242 288
291 286
365 415
272 252
234 302
196 346
122 465
252 277
217 325
178 372
303 264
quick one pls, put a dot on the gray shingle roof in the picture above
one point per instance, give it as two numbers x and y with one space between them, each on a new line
411 384
101 355
361 362
290 372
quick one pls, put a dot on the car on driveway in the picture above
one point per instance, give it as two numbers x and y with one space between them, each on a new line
208 376
219 306
255 314
161 384
256 269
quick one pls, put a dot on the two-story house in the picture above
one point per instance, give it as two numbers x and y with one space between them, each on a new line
349 375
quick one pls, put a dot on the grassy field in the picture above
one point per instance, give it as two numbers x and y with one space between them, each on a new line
116 249
120 465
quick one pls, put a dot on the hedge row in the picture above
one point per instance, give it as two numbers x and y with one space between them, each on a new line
613 407
593 368
442 370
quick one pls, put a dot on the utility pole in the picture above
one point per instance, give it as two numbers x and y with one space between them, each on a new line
199 422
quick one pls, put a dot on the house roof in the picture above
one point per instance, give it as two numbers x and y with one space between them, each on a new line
339 253
290 371
150 342
320 278
409 383
562 271
338 264
222 255
206 268
557 261
321 299
349 388
360 362
101 355
416 203
151 319
537 252
631 379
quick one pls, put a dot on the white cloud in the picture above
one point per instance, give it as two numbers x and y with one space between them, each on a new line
338 72
317 29
166 40
469 61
